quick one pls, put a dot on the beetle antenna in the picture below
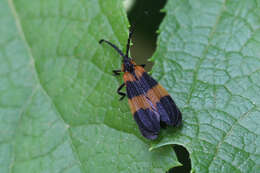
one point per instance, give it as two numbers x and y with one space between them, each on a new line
112 45
128 42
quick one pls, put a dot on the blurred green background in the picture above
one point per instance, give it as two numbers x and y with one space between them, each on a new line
145 17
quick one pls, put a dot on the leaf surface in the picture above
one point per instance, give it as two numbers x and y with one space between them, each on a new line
208 58
58 107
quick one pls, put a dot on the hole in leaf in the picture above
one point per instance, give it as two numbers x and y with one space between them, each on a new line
145 18
184 158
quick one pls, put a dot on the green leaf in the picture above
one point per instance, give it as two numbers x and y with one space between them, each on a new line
208 57
58 107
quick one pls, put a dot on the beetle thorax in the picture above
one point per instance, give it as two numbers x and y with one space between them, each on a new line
128 65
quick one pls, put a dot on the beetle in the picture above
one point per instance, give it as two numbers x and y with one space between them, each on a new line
150 104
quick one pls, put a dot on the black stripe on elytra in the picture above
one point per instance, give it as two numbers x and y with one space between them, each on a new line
169 112
148 122
140 86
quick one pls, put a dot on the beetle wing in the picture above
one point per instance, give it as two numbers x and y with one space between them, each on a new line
160 98
150 103
169 112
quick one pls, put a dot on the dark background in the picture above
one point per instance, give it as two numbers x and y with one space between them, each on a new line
145 17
